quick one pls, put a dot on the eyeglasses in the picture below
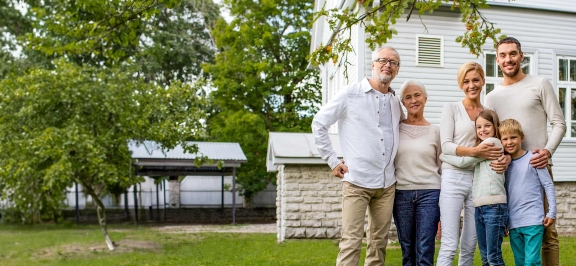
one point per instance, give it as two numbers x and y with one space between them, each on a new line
385 61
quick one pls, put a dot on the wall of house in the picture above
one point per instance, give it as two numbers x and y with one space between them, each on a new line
559 5
566 204
544 34
309 203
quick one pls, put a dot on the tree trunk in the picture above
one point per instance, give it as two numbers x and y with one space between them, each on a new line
101 211
248 202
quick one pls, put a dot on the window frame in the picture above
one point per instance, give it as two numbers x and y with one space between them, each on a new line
568 87
495 80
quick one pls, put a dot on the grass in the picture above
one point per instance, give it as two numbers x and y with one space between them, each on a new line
84 245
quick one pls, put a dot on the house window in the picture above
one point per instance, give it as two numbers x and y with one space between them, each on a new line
567 92
429 50
493 73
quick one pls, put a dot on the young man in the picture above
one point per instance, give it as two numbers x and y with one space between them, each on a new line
524 185
368 115
534 104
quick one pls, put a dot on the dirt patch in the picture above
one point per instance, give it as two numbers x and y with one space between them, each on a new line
241 228
75 250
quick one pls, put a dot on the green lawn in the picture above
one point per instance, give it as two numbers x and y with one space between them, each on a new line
84 245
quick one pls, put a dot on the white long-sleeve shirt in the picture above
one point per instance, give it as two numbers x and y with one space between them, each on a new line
531 101
456 129
357 109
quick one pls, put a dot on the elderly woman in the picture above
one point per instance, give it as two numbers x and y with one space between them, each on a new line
416 212
458 135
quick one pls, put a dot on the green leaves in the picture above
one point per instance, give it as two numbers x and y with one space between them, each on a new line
478 29
72 124
378 22
262 80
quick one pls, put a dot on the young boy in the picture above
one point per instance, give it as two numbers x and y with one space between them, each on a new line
524 185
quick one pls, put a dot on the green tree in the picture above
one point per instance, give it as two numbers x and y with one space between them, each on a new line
92 76
73 124
379 19
175 42
13 24
167 40
262 81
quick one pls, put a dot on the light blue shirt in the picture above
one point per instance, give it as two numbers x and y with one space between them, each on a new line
368 154
524 185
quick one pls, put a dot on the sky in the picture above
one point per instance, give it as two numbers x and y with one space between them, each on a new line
224 12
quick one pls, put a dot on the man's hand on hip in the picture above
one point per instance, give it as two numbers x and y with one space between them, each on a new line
340 170
540 160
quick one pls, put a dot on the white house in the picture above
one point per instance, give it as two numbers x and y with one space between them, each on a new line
547 31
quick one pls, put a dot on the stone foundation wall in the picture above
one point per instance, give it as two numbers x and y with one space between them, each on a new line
566 204
308 204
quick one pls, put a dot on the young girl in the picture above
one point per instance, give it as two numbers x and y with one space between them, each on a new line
488 192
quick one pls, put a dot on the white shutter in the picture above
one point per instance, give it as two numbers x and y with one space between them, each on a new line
429 51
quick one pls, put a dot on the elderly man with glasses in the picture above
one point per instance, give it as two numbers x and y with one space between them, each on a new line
368 115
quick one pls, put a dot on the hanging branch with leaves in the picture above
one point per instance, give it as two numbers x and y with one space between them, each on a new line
378 18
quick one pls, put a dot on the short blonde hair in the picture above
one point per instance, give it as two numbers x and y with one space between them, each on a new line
467 67
509 126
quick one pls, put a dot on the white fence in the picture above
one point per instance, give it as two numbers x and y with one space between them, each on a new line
195 191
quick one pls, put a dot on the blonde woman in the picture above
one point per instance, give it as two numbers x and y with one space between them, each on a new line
457 135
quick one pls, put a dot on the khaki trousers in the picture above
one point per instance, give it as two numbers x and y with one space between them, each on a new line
355 201
550 243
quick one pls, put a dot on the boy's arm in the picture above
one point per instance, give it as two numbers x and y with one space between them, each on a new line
548 186
460 161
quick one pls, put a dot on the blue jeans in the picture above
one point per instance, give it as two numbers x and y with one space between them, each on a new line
416 216
491 221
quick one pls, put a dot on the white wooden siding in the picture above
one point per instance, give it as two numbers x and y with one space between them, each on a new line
353 58
440 82
559 5
545 34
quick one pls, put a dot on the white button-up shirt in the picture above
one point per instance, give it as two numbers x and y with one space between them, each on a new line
358 111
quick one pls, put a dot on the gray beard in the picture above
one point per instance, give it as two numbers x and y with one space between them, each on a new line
384 79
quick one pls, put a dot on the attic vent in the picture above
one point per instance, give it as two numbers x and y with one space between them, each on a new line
430 51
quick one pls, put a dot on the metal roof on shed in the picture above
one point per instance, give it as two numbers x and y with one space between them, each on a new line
228 151
295 148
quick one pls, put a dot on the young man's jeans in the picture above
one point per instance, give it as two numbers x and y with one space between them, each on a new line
355 201
416 215
455 194
526 243
491 222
